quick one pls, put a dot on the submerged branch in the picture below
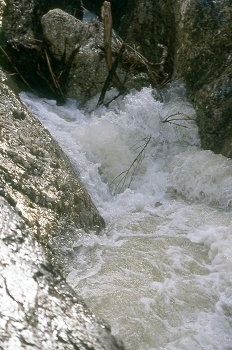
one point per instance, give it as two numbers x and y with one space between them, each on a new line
125 178
173 119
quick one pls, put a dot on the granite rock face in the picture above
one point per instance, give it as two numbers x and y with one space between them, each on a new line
80 46
149 24
36 177
204 60
38 309
41 200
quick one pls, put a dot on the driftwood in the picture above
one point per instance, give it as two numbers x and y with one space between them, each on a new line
110 77
107 21
131 57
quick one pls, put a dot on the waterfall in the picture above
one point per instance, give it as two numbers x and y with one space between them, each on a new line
161 271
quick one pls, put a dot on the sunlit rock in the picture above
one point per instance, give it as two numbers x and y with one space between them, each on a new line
38 309
40 198
80 46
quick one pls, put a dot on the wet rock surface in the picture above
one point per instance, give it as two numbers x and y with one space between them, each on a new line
41 200
204 60
38 310
36 177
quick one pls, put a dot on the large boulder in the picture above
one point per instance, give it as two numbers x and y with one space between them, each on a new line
21 21
22 40
80 46
41 201
36 177
38 309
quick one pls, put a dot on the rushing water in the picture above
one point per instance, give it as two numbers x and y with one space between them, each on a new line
161 272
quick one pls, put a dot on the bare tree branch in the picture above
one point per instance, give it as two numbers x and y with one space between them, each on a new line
125 178
109 77
174 118
15 68
107 21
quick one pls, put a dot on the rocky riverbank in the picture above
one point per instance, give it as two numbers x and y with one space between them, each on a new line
41 198
40 194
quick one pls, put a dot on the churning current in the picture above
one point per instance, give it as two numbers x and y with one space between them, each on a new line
161 272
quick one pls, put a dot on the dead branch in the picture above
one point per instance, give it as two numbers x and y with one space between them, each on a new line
157 76
15 68
109 77
163 57
126 177
53 77
132 57
174 118
107 22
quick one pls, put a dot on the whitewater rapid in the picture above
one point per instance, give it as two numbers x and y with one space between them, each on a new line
161 271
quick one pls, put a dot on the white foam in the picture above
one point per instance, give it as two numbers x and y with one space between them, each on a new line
161 272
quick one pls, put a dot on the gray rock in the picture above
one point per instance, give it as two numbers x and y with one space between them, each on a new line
38 310
21 21
68 36
204 61
41 199
36 176
81 46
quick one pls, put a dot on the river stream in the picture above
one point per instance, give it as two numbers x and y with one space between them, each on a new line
161 272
